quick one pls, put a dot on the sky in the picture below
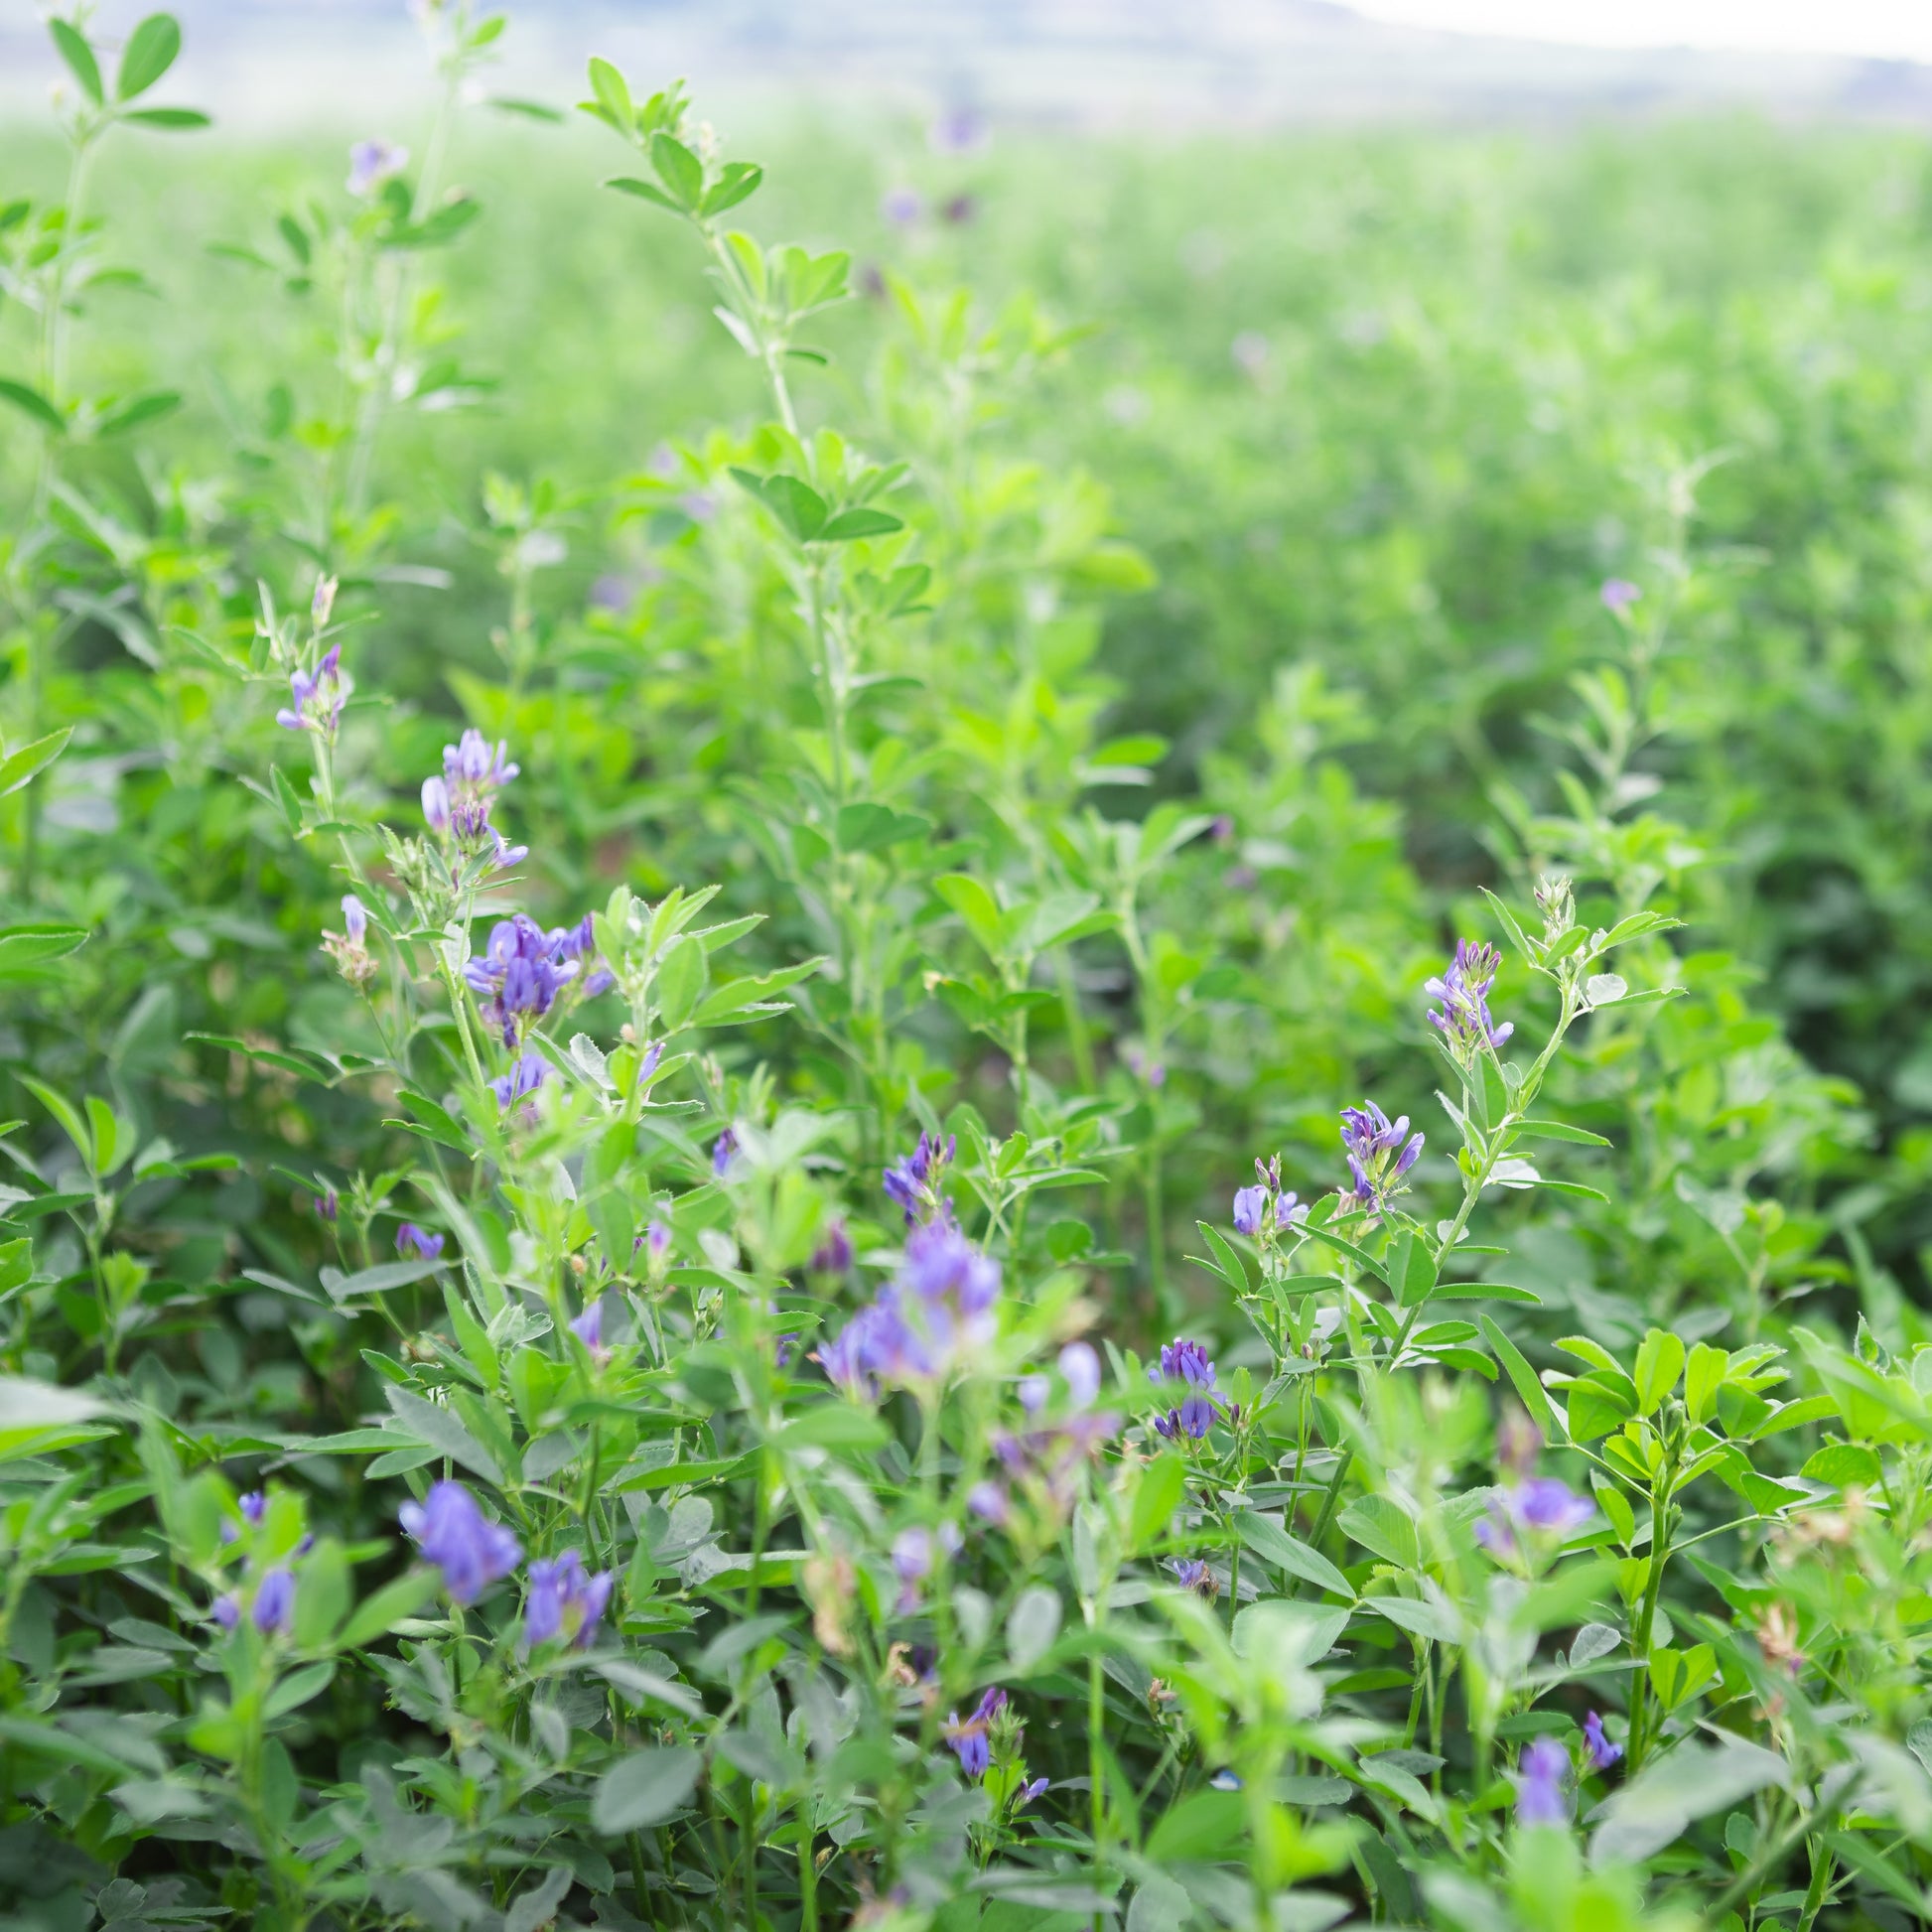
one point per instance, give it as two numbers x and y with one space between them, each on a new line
1886 28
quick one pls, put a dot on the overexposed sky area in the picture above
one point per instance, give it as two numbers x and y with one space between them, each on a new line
1884 28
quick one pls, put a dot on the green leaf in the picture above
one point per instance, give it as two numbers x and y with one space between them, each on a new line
974 903
1703 1376
614 96
1382 1526
1559 1130
1660 1360
379 1280
79 57
171 120
1198 1828
861 523
135 412
150 52
832 1425
1529 1391
395 1602
443 1432
681 171
1162 1484
870 827
1844 1466
736 182
644 192
648 1787
1273 1544
34 404
25 950
1486 1292
19 767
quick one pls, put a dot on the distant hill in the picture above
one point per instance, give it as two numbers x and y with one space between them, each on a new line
1159 64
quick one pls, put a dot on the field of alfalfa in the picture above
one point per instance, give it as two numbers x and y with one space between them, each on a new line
928 1029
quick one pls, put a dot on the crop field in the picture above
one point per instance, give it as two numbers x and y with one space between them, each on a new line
937 1028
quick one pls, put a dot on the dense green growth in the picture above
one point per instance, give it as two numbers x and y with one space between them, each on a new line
1049 688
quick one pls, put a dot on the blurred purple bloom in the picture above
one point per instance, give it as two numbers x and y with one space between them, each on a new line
912 1563
1250 1205
565 1602
412 1240
902 206
454 1533
958 209
1619 594
1601 1752
227 1609
435 805
322 603
1540 1776
833 1255
355 919
1378 1157
522 1080
317 698
659 1238
253 1507
959 130
989 1503
722 1150
274 1601
1463 989
1289 1211
1544 1506
1518 1443
589 1327
1080 1370
371 163
1226 1780
329 1204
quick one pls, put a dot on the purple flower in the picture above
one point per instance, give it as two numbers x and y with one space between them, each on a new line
959 130
1601 1752
329 1204
274 1601
1250 1205
1080 1370
912 1563
588 1327
435 805
522 970
833 1255
355 919
317 698
1193 1419
940 1262
958 209
579 943
722 1150
1185 1367
522 1080
1191 1572
1028 1792
1226 1780
1518 1443
474 772
1289 1211
412 1240
371 163
902 206
1619 594
1185 1361
990 1503
1540 1777
322 603
1463 989
969 1740
253 1507
1378 1157
912 1182
658 1238
564 1600
454 1533
227 1609
1543 1507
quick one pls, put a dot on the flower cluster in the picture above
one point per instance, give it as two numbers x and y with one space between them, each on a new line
317 698
565 1600
1463 990
272 1603
454 1533
1188 1375
912 1556
912 1182
1045 1461
521 973
1378 1157
1263 1207
971 1741
1541 1777
457 805
412 1240
935 1312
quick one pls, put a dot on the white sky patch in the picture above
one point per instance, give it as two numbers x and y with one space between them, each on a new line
1899 30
